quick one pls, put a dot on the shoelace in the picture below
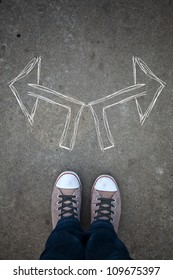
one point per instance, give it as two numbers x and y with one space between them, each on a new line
104 209
70 208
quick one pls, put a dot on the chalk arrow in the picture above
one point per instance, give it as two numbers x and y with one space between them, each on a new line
34 63
134 92
74 110
98 107
73 106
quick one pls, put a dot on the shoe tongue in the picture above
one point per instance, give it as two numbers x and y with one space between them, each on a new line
106 194
67 191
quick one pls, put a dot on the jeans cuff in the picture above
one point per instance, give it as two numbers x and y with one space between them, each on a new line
67 222
101 224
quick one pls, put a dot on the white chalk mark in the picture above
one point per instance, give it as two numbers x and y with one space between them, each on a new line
28 68
151 75
75 127
98 109
74 106
72 119
55 93
99 106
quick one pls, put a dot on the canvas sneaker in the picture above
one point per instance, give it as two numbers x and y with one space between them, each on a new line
66 197
106 201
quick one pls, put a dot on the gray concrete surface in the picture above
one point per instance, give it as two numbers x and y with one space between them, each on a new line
86 49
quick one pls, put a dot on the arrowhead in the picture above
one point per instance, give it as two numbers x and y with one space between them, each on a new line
18 87
154 88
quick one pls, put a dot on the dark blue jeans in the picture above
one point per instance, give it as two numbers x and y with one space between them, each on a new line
68 242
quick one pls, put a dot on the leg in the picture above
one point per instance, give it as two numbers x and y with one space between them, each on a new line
103 242
65 241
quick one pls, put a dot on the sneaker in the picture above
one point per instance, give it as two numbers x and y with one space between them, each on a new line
66 197
106 201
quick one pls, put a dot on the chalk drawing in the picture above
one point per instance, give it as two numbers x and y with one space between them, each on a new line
74 107
28 68
98 107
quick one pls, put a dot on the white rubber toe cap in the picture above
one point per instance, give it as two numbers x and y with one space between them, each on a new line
68 180
106 183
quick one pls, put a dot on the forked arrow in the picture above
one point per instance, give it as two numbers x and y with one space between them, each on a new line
98 107
73 106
